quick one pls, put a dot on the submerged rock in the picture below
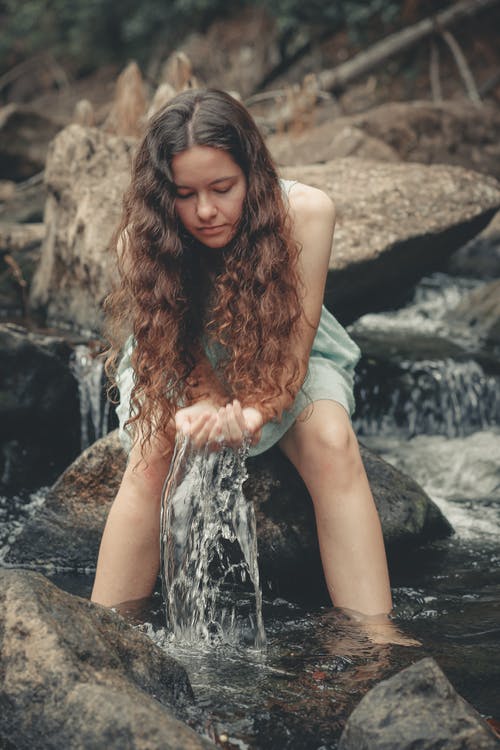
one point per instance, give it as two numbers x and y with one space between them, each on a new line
417 707
77 675
67 530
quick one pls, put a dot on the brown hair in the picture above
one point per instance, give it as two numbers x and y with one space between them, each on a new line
161 294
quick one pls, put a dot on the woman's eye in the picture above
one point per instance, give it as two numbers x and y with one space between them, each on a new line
182 196
222 190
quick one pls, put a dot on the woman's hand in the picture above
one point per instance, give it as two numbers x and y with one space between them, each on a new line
197 422
208 425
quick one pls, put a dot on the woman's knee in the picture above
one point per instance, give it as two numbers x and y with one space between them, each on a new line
326 439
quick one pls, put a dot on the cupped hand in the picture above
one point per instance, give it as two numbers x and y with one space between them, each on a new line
197 422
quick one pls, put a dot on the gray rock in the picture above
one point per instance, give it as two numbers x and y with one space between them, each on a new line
480 257
416 708
86 175
39 407
478 316
66 532
452 132
395 223
77 675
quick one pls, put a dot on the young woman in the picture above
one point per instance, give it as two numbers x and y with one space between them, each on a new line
218 331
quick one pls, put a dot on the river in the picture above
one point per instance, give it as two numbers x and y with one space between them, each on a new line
436 418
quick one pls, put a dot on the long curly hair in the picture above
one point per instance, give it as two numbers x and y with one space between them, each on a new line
252 308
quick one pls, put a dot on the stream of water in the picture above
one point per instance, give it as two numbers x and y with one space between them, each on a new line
435 417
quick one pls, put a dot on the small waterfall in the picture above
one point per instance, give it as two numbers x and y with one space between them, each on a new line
432 397
209 548
88 370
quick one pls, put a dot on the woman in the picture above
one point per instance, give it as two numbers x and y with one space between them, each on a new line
222 275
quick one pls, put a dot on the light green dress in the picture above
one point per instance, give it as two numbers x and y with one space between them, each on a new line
330 376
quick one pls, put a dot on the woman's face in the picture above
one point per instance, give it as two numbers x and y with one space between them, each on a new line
210 191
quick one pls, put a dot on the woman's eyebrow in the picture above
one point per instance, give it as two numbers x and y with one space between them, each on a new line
214 182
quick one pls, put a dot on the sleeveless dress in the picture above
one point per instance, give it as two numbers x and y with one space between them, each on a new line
330 376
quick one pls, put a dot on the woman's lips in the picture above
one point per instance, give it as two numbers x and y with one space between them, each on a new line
212 230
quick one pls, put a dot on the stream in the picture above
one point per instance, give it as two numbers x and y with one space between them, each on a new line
431 410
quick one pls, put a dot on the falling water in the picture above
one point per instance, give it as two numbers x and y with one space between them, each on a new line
209 548
94 410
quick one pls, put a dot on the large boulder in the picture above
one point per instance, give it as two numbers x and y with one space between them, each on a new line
77 675
86 175
66 532
453 132
395 223
39 408
416 708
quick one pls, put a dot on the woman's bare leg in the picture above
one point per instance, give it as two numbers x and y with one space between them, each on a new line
324 450
129 555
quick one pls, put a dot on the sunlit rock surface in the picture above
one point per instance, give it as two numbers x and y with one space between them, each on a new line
77 675
417 707
395 223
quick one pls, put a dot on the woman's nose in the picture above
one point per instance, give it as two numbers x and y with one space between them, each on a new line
205 208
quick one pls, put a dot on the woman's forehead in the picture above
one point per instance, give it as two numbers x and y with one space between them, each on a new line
203 164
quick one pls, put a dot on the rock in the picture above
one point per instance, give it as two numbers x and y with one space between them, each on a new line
25 135
478 315
87 173
77 675
417 707
235 54
395 223
67 531
480 257
454 132
127 113
25 203
39 408
19 256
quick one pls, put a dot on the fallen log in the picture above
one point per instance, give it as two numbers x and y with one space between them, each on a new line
365 62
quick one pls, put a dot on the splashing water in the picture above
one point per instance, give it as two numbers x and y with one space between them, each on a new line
209 547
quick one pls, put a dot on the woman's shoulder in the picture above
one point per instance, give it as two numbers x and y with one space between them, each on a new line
307 201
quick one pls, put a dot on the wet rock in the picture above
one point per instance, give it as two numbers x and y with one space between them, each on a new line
25 134
395 223
66 532
480 257
417 707
39 408
454 132
77 675
478 315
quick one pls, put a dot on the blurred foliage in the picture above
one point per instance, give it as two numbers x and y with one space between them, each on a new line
85 34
